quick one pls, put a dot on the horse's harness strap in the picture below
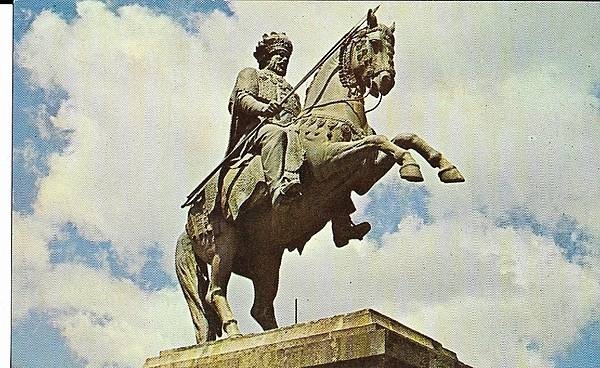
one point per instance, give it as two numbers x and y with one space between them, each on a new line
340 122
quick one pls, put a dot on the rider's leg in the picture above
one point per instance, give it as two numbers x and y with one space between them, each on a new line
274 143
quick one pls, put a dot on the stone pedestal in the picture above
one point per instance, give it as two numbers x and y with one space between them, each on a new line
365 339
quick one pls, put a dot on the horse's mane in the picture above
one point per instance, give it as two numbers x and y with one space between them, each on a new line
317 73
310 85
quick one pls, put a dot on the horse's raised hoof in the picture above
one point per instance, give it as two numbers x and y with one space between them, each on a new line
451 175
411 172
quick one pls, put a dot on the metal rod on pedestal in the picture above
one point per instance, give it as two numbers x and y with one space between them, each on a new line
296 311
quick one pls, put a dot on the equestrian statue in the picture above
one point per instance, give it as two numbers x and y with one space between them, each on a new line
289 171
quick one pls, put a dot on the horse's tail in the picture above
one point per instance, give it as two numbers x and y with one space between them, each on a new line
193 278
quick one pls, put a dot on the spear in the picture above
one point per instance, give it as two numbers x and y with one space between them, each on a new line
192 196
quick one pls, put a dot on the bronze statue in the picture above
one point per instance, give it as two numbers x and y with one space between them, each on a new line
237 223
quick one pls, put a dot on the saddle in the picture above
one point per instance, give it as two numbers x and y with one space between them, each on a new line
237 187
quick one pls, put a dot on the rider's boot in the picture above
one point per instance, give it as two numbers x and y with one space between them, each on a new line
344 230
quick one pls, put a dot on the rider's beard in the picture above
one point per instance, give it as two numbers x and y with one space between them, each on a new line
277 67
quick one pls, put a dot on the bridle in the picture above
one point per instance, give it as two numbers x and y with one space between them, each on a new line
359 41
361 44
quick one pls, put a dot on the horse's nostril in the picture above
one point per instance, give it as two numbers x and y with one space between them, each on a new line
387 82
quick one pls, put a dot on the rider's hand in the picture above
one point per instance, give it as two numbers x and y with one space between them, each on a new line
272 109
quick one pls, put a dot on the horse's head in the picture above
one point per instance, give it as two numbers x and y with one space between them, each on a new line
367 59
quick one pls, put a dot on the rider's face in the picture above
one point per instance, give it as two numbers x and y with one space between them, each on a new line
278 63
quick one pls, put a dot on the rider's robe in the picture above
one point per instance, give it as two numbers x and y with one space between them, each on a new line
243 174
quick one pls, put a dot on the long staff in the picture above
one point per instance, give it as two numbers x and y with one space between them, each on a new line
192 196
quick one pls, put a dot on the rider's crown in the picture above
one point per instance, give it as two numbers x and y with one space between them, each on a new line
270 44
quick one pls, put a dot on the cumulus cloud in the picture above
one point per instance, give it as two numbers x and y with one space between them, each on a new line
94 310
146 117
487 293
507 96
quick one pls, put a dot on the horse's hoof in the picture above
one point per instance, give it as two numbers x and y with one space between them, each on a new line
231 328
451 175
411 172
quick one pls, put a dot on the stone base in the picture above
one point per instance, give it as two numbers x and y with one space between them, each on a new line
365 339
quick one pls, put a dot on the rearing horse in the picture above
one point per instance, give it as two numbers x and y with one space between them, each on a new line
237 230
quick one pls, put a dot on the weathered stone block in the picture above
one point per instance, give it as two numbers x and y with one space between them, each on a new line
365 339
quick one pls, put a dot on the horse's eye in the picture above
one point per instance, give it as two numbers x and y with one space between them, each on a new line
376 43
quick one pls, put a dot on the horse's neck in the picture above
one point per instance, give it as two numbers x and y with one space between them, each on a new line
327 96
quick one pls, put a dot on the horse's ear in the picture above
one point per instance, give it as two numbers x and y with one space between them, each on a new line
371 19
393 27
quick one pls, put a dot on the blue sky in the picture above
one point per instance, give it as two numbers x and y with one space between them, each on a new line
110 116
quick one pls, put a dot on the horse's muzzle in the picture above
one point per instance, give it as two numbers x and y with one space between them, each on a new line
382 83
386 83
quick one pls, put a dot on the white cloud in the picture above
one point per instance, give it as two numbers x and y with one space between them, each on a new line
147 122
482 291
504 94
95 311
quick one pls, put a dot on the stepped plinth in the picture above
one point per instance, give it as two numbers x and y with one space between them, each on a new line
365 339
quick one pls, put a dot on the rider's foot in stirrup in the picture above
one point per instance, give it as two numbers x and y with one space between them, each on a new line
286 193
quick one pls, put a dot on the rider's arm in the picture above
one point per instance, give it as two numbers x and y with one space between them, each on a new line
249 105
246 92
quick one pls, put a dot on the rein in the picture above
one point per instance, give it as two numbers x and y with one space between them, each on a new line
346 75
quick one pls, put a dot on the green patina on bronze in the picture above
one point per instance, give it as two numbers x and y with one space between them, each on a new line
325 150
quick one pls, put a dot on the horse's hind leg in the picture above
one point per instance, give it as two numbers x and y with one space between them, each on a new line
266 283
214 323
226 243
448 173
191 282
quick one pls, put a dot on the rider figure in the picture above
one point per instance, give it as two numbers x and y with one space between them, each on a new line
255 95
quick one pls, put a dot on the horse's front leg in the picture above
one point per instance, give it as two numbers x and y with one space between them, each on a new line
226 244
448 173
376 166
346 155
409 169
